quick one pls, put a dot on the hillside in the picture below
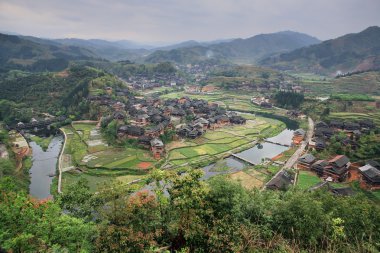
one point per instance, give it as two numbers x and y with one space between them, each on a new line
351 52
20 53
238 50
55 93
113 51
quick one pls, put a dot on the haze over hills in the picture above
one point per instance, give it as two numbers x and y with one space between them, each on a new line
238 50
351 52
38 55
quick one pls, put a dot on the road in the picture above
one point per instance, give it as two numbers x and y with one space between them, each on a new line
293 159
309 134
60 161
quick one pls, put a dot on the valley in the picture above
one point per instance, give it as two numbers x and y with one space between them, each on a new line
269 143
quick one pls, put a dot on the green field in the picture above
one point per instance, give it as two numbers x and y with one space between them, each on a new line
356 116
364 83
101 163
307 179
217 143
230 100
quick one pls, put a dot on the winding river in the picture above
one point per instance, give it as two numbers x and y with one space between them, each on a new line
44 166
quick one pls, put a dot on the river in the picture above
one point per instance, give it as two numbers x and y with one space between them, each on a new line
44 166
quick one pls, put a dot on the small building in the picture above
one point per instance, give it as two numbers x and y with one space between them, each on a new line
282 181
338 168
336 124
203 122
351 126
141 119
321 124
239 120
133 132
320 144
157 148
306 161
319 167
370 177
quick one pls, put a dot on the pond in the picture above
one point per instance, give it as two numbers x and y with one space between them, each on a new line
262 151
284 138
254 154
44 166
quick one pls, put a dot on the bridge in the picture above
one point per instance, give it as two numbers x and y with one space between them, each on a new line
243 159
277 143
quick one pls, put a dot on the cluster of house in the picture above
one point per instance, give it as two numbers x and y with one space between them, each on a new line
261 101
140 81
208 89
271 86
339 168
210 120
36 124
353 130
334 169
148 118
296 114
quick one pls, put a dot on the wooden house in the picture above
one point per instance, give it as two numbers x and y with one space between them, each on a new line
305 161
157 148
338 168
370 177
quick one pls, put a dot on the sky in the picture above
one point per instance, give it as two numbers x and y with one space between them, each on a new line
152 21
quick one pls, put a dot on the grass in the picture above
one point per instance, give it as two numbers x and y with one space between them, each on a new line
42 142
216 143
307 179
102 163
248 181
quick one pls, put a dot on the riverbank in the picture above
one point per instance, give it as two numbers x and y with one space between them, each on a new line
44 167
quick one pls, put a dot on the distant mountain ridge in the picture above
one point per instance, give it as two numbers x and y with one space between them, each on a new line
17 52
351 52
245 50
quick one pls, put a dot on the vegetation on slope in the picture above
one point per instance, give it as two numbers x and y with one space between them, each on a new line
199 216
351 52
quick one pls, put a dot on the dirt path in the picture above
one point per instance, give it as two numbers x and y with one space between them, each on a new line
60 161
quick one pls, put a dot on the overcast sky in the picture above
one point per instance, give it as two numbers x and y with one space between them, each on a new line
179 20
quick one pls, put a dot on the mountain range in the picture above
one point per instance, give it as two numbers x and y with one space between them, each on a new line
237 50
283 50
38 55
348 53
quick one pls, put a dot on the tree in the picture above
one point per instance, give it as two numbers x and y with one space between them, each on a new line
79 201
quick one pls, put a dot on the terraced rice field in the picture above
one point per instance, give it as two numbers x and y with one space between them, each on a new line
216 143
99 163
356 116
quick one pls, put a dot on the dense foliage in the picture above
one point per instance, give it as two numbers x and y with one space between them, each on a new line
22 93
288 99
199 216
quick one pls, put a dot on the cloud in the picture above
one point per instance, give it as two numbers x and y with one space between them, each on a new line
177 20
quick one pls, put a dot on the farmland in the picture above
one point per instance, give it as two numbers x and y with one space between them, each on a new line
229 100
97 162
216 144
375 116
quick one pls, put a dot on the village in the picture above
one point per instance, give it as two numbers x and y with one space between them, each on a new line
338 168
149 118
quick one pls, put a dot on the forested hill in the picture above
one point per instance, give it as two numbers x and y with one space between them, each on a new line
238 50
351 52
24 54
24 94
